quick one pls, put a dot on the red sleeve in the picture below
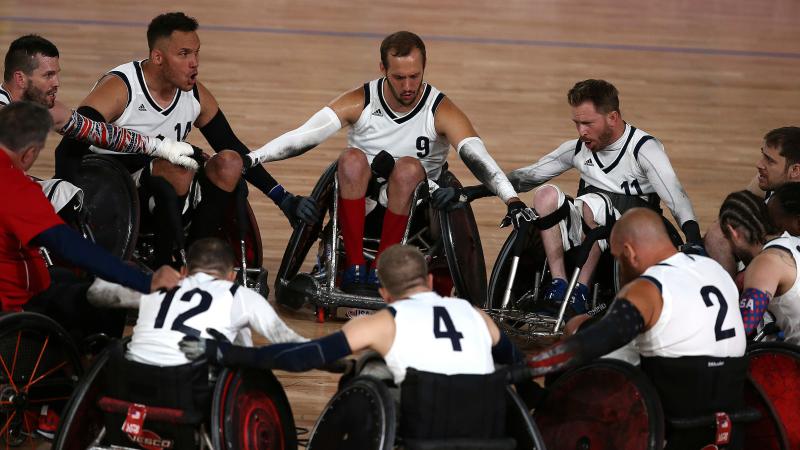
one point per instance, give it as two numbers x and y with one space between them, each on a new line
26 212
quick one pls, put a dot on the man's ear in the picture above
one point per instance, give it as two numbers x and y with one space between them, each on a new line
184 271
793 173
732 232
231 276
28 156
385 295
157 56
430 281
19 79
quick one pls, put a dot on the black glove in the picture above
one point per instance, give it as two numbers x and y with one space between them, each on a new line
476 192
693 248
517 213
382 165
247 163
447 198
298 208
691 230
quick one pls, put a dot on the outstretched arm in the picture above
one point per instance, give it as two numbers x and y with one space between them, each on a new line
636 308
339 113
452 123
549 166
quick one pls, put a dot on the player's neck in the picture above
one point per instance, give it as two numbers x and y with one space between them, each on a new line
160 89
15 94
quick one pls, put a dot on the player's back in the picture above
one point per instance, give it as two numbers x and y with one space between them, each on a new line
439 335
200 301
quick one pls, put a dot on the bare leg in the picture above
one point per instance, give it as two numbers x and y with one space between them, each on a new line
594 255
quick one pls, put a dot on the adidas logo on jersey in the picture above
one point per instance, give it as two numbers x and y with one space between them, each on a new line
378 113
141 107
589 162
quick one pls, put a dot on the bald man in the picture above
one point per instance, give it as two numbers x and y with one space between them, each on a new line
681 313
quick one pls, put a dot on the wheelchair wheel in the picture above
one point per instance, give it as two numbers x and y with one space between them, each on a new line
462 247
767 433
602 405
775 369
250 411
303 237
361 415
112 203
520 424
39 365
81 420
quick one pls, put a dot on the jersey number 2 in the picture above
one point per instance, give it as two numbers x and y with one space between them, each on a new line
178 324
442 318
706 292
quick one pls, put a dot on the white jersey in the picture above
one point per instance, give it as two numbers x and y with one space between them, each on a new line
786 307
700 313
142 114
438 334
636 164
413 134
5 96
199 302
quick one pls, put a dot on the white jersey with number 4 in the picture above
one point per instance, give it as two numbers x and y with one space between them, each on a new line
700 314
786 307
144 115
411 134
199 302
440 335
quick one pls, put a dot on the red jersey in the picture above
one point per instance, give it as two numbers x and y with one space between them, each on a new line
24 213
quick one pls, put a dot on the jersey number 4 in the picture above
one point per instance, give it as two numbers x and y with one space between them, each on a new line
442 319
706 292
178 323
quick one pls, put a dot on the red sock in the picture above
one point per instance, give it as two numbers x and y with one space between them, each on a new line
394 225
351 216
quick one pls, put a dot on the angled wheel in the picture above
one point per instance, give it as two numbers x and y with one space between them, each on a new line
81 419
111 202
303 237
622 412
250 412
775 370
530 270
361 415
39 365
462 246
520 424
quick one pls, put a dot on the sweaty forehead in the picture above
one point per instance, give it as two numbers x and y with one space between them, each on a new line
585 111
46 63
179 40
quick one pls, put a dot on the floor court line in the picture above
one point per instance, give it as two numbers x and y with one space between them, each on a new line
442 38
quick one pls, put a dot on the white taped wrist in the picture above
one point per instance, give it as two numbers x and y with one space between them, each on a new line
319 127
474 154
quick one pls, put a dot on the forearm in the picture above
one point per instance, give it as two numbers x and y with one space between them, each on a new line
551 165
474 154
620 325
505 352
318 128
297 357
73 248
106 135
220 135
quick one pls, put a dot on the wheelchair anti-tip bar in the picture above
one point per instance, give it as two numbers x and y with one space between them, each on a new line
741 416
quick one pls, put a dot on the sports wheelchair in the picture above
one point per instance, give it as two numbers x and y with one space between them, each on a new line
112 202
39 365
428 412
449 240
520 272
623 411
188 406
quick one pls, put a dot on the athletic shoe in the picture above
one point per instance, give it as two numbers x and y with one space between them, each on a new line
48 423
356 280
554 292
580 299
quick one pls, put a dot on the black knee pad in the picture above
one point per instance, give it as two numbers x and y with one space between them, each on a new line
206 218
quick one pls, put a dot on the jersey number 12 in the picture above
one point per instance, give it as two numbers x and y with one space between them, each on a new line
178 324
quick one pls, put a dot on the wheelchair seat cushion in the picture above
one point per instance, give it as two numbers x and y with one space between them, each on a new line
436 406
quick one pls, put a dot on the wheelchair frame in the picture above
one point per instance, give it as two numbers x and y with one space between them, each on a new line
319 287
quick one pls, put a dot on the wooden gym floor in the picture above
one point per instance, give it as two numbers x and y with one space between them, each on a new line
707 78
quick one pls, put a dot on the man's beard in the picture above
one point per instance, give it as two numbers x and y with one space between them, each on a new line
36 95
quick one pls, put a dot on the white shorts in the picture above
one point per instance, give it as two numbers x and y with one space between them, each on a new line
572 230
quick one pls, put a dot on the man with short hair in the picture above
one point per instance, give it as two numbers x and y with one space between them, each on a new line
27 222
771 280
205 298
779 164
31 72
620 166
401 128
162 96
680 312
457 338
